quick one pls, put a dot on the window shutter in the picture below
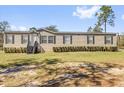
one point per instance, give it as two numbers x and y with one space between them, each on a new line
6 39
63 39
93 39
111 39
28 38
87 39
105 39
71 39
21 39
13 39
40 39
54 39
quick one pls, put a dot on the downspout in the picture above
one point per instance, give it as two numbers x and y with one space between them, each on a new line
118 40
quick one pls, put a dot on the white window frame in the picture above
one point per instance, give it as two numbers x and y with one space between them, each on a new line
67 39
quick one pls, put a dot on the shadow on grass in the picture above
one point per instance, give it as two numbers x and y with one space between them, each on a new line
26 64
94 74
18 62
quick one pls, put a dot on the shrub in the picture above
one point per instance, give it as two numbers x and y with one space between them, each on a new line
84 48
14 50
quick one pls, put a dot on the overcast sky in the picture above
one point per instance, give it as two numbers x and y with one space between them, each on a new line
67 18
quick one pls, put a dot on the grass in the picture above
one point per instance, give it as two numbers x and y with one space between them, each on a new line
32 71
110 57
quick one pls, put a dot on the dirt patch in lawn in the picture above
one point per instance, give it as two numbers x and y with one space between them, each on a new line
55 73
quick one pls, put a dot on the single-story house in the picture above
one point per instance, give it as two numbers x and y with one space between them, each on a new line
49 39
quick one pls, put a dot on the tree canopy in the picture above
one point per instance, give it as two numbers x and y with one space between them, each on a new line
105 16
52 28
4 25
97 28
89 29
32 29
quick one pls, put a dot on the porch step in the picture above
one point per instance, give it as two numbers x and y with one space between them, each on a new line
36 48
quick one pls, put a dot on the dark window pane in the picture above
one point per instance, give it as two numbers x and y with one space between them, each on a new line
43 39
90 39
51 39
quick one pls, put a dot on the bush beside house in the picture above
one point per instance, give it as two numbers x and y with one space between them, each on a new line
83 48
15 50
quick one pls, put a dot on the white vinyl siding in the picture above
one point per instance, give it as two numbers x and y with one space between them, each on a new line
25 39
34 38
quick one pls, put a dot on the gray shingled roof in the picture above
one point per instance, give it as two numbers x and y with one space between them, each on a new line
60 33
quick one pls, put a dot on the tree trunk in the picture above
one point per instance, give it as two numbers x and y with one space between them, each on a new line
105 26
105 32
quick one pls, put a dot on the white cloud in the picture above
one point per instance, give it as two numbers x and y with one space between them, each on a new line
18 28
23 28
85 12
123 16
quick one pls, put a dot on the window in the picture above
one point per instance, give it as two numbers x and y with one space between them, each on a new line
90 39
43 39
50 39
108 39
25 39
9 39
67 39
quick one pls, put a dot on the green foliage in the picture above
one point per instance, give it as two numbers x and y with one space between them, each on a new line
15 50
4 25
97 28
106 16
52 28
83 48
90 29
32 29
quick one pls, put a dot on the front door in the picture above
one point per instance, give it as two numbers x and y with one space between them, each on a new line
34 37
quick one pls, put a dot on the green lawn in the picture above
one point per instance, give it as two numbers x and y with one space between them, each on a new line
26 71
112 57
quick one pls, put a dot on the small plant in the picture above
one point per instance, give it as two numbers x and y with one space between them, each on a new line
14 50
84 48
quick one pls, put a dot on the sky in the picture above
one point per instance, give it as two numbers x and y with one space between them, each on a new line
67 17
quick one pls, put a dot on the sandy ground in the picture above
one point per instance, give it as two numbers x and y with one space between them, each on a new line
67 74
